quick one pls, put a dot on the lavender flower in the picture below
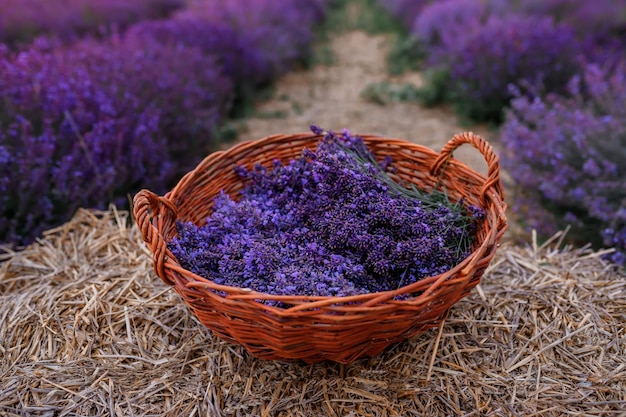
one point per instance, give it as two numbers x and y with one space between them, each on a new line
184 85
328 223
476 49
510 50
586 18
600 25
240 61
405 10
255 41
567 155
87 122
444 27
24 20
83 126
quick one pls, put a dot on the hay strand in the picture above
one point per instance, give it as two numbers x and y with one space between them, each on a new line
86 328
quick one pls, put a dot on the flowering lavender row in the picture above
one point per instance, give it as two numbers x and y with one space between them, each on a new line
513 50
444 27
84 126
553 70
86 123
330 223
255 41
405 10
481 47
568 158
23 20
588 18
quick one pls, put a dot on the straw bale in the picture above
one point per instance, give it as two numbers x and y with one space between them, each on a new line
86 328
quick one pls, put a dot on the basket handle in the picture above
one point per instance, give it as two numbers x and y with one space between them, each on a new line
493 162
147 208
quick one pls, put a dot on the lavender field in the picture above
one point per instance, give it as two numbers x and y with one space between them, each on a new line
108 97
549 77
100 99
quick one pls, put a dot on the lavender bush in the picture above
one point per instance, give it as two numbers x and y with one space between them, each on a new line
443 27
476 48
596 17
88 124
66 142
328 223
254 41
509 50
567 154
601 24
85 123
23 20
405 10
185 85
440 31
246 66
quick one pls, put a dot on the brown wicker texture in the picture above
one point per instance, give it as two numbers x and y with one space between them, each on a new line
340 329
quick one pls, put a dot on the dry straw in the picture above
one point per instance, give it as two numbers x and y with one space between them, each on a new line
341 329
88 329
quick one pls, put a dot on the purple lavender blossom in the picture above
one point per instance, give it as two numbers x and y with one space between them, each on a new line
510 50
405 10
476 49
83 126
600 24
328 223
567 155
184 85
87 122
24 20
235 53
444 26
586 18
253 42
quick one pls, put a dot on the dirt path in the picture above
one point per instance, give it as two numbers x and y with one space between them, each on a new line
330 96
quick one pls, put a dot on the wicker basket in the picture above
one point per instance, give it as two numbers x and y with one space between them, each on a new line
340 329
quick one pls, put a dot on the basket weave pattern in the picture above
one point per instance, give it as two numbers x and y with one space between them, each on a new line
341 329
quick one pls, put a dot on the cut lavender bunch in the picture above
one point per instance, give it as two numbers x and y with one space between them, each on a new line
329 223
